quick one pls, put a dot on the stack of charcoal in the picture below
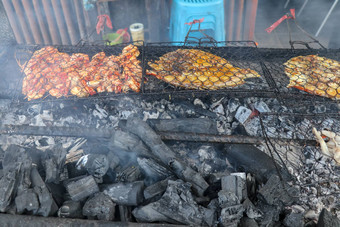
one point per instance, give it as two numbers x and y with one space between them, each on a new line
135 175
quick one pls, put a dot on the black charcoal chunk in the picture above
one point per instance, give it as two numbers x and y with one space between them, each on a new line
231 216
251 211
95 164
82 188
227 199
27 200
294 220
100 206
125 213
7 189
326 219
157 189
129 194
129 173
248 222
70 209
48 206
53 162
177 205
275 192
153 170
236 185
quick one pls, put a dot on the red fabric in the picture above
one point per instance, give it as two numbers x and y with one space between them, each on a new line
287 16
100 23
195 21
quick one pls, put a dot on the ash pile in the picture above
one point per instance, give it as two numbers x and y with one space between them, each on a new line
203 161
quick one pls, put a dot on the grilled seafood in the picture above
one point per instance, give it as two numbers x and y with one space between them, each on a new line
59 74
197 69
314 74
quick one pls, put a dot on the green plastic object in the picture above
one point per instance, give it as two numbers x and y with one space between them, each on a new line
112 39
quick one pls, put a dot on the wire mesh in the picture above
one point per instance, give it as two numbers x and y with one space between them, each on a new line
170 67
309 72
81 71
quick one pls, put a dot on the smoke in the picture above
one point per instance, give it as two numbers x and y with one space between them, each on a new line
308 16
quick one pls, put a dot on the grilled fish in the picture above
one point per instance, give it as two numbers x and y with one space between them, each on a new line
197 69
314 74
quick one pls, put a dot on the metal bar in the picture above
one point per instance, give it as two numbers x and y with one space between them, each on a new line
21 16
69 18
286 4
60 22
251 10
326 18
231 20
80 18
13 21
52 26
27 4
41 20
239 19
106 133
302 7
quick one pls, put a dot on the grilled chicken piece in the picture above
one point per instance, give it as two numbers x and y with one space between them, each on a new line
314 74
197 69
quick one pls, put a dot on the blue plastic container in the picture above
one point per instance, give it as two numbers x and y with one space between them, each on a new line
185 11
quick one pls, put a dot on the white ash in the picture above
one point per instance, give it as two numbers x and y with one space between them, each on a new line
199 102
100 112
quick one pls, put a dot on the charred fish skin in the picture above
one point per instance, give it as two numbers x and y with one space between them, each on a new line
197 69
315 75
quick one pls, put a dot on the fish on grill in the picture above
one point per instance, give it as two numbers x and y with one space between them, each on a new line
315 75
197 69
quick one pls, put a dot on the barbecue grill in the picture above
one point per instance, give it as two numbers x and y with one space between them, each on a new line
277 120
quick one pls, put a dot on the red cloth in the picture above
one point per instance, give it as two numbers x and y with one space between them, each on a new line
100 23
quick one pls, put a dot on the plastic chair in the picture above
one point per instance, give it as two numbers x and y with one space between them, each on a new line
185 11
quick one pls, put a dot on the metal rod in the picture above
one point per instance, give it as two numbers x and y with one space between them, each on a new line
41 20
52 26
251 10
60 22
80 18
326 18
13 21
32 21
69 18
20 14
106 133
302 7
239 19
231 19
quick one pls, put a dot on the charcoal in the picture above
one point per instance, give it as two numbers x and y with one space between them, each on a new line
58 192
236 185
129 174
70 209
165 154
195 125
251 211
242 114
95 164
53 162
47 204
250 159
8 184
125 213
157 189
326 219
27 200
129 194
231 216
294 220
126 141
100 206
262 107
177 205
271 214
275 192
248 222
81 188
227 199
153 170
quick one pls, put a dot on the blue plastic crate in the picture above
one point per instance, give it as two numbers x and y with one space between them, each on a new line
184 11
